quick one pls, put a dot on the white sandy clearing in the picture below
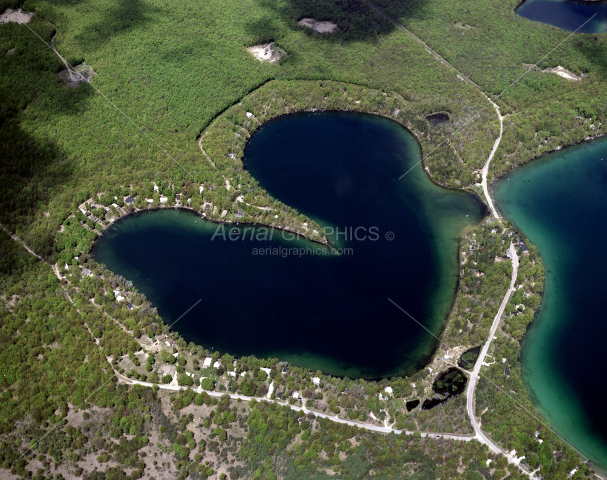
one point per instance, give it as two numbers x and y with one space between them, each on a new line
15 16
563 72
320 27
267 52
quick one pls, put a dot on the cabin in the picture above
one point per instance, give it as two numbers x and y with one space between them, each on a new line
86 272
232 155
129 306
177 197
170 342
129 200
507 372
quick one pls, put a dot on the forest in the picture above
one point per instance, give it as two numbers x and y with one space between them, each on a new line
165 122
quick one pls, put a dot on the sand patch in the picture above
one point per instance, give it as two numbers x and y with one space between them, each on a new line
560 71
463 26
320 27
15 16
74 77
266 53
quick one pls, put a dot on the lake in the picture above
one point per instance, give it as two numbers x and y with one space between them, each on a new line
566 15
560 202
321 311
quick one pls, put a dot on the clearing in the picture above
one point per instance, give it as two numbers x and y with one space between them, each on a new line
320 27
267 52
79 74
15 16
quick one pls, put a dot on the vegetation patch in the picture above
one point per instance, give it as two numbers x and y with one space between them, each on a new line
468 359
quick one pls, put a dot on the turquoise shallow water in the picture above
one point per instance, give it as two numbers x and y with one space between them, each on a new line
566 14
560 202
321 311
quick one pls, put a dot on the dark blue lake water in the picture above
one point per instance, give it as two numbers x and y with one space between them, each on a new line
566 14
327 312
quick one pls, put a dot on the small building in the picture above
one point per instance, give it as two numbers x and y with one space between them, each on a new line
161 338
86 272
316 381
232 155
207 362
507 372
207 206
129 306
389 390
119 298
296 395
129 200
177 197
170 342
249 114
217 364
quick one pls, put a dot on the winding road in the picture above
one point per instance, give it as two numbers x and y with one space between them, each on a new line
236 396
474 375
491 155
463 77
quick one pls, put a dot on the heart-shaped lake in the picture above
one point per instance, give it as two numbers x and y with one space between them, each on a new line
314 309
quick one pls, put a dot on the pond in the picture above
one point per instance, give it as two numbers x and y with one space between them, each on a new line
566 14
560 202
313 309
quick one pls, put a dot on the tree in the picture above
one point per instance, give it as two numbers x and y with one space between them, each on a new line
185 380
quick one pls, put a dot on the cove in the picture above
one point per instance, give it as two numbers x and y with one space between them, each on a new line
560 202
566 15
318 310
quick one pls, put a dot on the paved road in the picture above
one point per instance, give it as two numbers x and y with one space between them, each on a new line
486 167
464 78
236 396
474 375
